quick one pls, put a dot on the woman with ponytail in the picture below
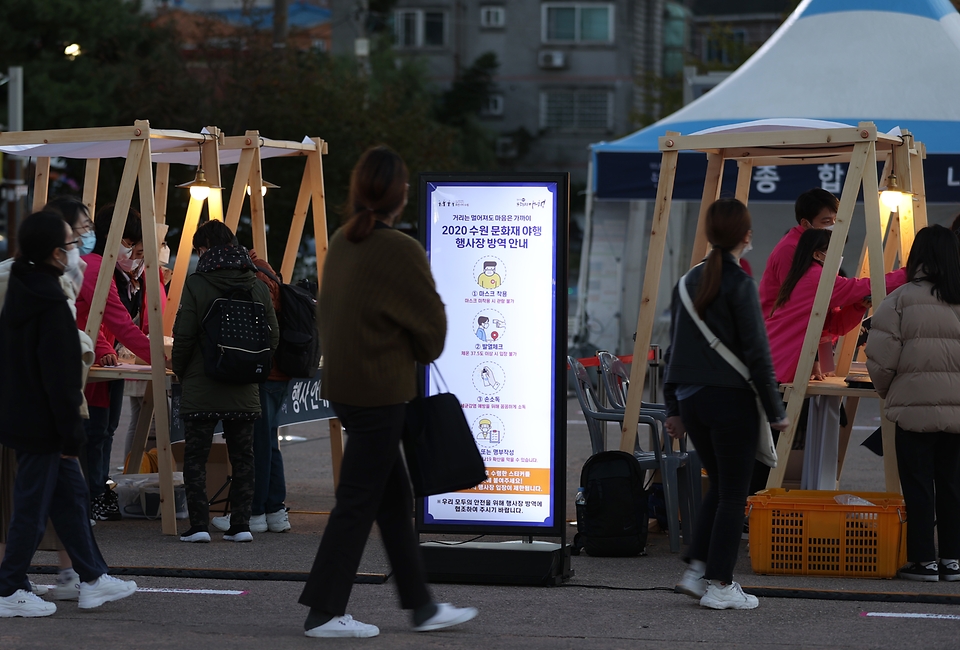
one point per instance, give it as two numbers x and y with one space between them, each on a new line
379 315
709 399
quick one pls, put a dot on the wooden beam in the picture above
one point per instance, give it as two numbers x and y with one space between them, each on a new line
238 193
744 175
128 182
91 177
864 155
41 183
69 136
648 299
864 132
154 318
258 221
182 265
295 236
711 192
162 185
318 199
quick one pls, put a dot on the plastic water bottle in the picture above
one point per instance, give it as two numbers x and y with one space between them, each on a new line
581 497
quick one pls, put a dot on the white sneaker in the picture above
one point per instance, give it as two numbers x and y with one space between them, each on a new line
221 523
39 590
258 524
25 603
68 586
727 596
447 616
692 583
277 522
104 589
343 626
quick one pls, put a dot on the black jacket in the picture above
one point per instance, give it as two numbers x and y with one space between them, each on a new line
735 318
41 372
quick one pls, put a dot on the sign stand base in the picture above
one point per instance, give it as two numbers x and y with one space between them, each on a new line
499 563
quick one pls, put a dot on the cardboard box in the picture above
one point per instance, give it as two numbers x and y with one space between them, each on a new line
218 469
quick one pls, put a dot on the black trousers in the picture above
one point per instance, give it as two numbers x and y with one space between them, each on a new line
198 439
723 424
929 466
48 485
373 487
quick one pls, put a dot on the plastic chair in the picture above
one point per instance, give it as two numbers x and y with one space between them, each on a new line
616 382
672 465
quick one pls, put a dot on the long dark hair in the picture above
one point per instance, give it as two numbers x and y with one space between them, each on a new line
727 223
377 188
935 257
72 209
811 241
39 235
132 229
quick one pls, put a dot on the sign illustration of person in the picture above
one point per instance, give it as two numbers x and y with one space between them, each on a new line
483 324
489 279
485 427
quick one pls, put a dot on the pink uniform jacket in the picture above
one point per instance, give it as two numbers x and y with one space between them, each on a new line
778 265
788 325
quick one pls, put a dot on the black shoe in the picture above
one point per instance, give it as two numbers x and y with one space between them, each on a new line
196 534
920 571
102 509
949 570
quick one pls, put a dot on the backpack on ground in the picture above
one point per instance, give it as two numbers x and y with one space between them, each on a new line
611 506
298 353
236 339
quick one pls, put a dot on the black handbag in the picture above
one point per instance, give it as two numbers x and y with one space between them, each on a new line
441 453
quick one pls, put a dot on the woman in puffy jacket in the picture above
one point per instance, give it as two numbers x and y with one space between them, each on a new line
913 356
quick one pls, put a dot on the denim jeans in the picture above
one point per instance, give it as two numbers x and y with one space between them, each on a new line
269 487
100 428
723 424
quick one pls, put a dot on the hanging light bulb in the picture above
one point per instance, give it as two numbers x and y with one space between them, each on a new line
264 185
200 187
891 195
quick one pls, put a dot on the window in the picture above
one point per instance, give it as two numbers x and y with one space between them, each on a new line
576 110
727 47
419 28
494 106
577 22
493 16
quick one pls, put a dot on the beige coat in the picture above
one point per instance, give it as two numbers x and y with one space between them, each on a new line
913 356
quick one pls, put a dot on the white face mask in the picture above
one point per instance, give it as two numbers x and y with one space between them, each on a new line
747 248
830 227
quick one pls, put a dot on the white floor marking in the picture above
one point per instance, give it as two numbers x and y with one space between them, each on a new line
950 617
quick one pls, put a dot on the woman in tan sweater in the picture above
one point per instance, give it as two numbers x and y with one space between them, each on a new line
379 315
913 355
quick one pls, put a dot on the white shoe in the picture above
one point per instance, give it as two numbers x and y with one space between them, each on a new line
727 596
692 583
25 603
68 587
239 536
258 524
39 590
104 589
447 616
277 522
343 626
221 523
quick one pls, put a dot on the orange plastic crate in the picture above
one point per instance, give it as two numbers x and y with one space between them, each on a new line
806 532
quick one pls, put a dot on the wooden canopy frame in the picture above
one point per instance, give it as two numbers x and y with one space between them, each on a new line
860 148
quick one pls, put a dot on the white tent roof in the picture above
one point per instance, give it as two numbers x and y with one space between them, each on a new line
893 62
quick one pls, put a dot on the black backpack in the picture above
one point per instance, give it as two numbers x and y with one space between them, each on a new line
236 339
298 353
612 507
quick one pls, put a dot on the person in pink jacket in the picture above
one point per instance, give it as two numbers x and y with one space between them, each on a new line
790 312
814 208
105 399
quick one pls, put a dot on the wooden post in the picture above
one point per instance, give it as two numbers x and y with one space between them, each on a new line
210 159
180 269
41 183
296 226
151 273
239 190
258 222
133 462
648 299
744 174
91 177
855 175
892 245
162 185
315 164
711 192
336 449
919 188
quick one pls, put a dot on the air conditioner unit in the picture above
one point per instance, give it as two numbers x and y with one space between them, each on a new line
552 59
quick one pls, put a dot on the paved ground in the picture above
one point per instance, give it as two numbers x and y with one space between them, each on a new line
610 603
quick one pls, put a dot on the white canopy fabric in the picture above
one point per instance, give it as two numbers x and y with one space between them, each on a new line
893 62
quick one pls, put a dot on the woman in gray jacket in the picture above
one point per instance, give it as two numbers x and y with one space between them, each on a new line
913 355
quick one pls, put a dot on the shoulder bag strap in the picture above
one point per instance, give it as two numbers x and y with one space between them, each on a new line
712 339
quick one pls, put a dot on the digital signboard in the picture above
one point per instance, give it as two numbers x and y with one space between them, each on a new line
497 246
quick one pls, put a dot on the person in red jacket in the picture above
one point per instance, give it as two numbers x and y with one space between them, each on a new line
105 399
814 208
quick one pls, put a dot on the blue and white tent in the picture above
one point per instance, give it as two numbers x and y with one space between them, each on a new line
893 62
